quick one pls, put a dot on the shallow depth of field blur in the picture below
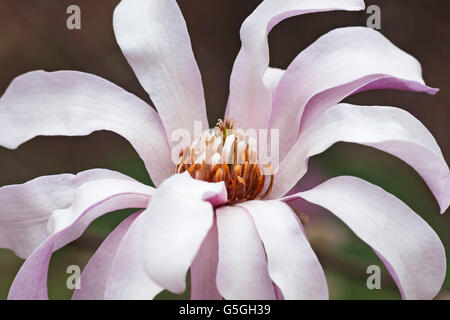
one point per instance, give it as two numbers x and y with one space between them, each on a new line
34 36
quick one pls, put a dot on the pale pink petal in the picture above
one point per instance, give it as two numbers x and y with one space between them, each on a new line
414 253
26 208
341 62
278 294
91 200
127 279
293 265
177 221
386 128
72 103
95 275
96 195
250 100
242 270
272 78
154 39
204 269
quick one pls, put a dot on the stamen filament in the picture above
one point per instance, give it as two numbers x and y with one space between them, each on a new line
223 154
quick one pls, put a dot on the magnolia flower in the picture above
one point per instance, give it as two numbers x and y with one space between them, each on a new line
227 223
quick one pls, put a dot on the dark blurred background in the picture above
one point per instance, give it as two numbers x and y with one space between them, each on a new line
34 36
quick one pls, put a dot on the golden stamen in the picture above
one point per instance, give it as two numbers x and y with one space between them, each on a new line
243 181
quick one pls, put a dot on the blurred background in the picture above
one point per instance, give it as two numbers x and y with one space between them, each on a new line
34 36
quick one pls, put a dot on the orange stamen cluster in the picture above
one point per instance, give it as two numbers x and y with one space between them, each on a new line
220 160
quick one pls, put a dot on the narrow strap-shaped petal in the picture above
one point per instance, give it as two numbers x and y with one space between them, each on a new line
411 249
339 63
293 265
177 221
72 103
91 200
96 195
127 279
386 128
204 269
153 37
250 100
242 270
95 275
26 208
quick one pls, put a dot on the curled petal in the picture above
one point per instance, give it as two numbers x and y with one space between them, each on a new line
26 208
72 103
204 269
127 278
341 62
386 128
250 100
412 251
91 200
95 275
177 221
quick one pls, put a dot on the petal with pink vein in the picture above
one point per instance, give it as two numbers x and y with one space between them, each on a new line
72 103
386 128
293 265
154 39
95 275
411 249
250 100
204 269
272 78
127 277
242 270
91 200
26 208
338 64
177 221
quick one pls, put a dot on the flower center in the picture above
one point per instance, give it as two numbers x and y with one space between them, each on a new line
227 154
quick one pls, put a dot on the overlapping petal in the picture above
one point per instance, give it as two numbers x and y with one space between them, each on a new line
91 200
412 251
250 100
127 277
95 275
177 221
204 269
292 264
26 208
74 103
386 128
242 270
153 37
339 63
